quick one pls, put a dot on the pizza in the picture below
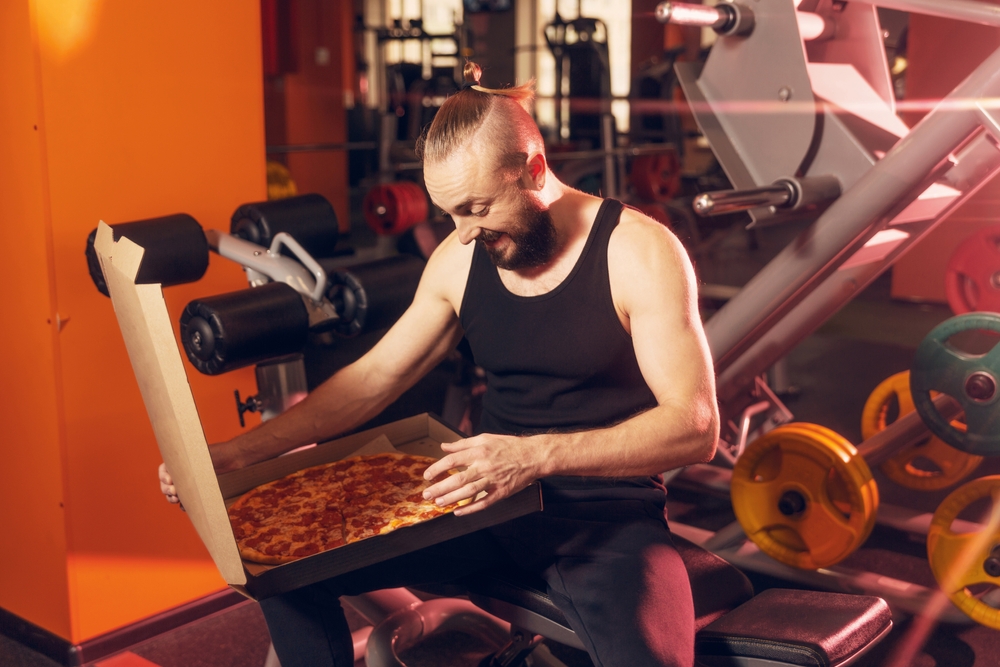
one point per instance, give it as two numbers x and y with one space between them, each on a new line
330 505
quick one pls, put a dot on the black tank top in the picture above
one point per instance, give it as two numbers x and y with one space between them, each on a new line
560 361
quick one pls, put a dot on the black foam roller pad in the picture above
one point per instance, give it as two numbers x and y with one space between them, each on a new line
372 296
310 219
175 250
230 331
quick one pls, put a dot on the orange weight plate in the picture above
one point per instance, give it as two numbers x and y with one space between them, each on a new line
804 496
967 564
929 466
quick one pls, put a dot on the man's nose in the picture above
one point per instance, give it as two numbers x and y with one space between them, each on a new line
467 230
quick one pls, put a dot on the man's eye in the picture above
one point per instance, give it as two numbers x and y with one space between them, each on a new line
481 214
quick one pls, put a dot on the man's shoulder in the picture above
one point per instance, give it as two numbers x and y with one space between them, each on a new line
638 237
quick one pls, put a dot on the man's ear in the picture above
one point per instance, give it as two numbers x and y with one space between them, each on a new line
535 171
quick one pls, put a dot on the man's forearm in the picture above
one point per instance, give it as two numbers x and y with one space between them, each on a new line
660 439
339 404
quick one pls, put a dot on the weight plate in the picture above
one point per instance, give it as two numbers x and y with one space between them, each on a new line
971 379
963 560
972 277
804 496
395 207
928 466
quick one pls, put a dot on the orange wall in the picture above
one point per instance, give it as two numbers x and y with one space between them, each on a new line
941 54
33 579
143 109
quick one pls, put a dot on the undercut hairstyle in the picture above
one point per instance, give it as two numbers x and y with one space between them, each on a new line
496 118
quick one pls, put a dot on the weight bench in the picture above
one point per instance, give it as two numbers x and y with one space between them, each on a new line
777 628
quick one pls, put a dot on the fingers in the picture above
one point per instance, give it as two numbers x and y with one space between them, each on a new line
456 488
477 506
167 487
463 443
443 465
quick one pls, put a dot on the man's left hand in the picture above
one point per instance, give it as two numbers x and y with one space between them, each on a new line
500 465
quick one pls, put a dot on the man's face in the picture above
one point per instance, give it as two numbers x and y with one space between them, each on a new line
496 211
531 242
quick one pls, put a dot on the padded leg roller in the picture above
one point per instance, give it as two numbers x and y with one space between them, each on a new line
309 219
175 251
372 296
791 627
230 331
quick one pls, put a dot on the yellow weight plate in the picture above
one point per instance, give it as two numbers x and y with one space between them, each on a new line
929 466
838 492
964 561
875 415
803 496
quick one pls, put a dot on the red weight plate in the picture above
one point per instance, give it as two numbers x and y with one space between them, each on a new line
394 208
656 177
972 278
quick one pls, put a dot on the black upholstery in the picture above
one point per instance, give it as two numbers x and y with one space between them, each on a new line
806 628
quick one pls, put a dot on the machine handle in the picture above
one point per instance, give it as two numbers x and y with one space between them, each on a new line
730 201
725 18
283 239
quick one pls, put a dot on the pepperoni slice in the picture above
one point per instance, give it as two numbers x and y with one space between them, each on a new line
307 549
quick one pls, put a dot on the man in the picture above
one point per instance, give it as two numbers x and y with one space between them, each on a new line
599 378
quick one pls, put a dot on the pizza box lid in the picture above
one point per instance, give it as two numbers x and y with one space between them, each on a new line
159 370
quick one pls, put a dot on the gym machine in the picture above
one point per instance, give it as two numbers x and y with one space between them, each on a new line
871 188
298 292
774 628
503 606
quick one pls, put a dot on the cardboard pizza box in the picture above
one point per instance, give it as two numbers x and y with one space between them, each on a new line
159 371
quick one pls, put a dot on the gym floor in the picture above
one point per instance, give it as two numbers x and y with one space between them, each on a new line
832 373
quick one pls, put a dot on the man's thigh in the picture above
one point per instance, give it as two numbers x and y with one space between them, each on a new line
613 570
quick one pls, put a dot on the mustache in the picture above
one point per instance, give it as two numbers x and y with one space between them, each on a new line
489 235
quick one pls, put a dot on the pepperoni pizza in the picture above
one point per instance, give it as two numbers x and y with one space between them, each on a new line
330 505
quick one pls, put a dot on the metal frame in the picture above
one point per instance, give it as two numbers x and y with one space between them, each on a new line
954 148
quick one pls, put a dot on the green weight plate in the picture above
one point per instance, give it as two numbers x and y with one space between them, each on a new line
971 379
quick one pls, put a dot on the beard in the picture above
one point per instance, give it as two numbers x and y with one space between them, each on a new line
532 242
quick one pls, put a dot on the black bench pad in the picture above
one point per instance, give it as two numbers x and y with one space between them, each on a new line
806 628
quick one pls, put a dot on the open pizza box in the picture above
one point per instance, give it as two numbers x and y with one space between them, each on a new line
159 370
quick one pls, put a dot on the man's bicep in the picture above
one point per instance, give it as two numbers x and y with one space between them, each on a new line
419 340
667 333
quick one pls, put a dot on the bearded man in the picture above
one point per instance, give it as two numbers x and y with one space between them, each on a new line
583 314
